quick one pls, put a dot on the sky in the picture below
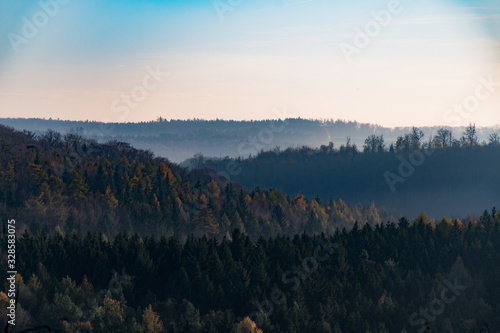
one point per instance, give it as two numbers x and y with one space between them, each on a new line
393 63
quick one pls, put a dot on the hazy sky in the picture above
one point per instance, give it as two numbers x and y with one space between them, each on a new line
426 64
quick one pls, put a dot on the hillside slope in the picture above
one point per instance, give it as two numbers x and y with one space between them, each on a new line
442 182
79 184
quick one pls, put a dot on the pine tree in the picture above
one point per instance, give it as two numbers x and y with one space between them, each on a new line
78 187
205 222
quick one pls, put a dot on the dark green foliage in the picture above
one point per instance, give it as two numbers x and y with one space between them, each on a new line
115 240
369 279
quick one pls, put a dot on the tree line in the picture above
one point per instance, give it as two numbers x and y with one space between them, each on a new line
181 139
444 174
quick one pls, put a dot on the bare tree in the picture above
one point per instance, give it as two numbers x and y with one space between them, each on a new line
469 137
374 144
52 138
416 136
402 143
494 139
443 139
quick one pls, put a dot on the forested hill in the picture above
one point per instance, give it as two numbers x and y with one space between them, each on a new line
181 139
111 239
78 184
409 277
443 174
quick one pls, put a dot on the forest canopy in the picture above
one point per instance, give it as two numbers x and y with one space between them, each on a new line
111 238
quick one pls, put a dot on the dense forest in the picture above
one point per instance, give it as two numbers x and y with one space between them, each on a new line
114 239
446 174
179 140
403 277
78 184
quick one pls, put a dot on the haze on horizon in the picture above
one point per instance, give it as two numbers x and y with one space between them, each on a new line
247 60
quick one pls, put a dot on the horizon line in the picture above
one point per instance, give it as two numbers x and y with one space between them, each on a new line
320 120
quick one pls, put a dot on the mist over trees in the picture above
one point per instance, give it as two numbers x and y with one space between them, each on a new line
74 183
179 140
446 174
113 239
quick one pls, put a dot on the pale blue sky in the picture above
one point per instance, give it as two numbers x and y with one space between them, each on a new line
263 55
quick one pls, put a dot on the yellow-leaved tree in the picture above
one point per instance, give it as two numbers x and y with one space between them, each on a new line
247 326
151 322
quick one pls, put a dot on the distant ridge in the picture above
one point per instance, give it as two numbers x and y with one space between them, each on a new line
179 140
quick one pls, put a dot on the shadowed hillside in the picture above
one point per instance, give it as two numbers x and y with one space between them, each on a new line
454 179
